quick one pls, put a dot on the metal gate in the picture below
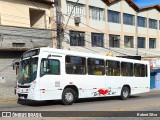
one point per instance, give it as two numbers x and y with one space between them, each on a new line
152 81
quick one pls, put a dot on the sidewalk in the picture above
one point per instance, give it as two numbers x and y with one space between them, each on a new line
154 90
7 94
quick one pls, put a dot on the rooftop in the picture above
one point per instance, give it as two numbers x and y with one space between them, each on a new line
134 6
44 1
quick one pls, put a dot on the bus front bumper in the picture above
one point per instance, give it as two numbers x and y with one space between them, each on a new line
30 96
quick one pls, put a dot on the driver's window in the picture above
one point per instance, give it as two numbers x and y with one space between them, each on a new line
26 71
50 66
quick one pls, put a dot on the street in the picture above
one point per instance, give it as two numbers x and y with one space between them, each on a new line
134 103
141 102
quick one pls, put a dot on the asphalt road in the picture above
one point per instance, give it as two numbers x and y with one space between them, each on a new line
142 102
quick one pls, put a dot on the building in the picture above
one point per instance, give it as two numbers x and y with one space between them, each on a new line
24 24
155 79
116 26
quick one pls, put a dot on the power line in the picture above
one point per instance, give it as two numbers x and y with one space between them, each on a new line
103 47
98 31
127 49
94 29
90 27
104 44
123 48
71 12
56 22
104 33
82 23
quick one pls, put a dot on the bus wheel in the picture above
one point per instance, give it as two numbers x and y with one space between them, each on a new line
125 93
68 96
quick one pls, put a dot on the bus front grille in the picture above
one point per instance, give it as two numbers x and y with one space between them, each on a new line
22 96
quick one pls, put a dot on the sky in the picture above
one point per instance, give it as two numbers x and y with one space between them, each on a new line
143 3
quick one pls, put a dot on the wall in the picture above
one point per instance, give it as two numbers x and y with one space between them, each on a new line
7 75
15 28
16 12
129 10
157 81
113 28
31 37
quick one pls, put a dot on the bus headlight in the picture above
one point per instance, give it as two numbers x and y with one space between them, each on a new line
33 86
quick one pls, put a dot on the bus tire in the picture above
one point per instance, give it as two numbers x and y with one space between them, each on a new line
125 93
68 96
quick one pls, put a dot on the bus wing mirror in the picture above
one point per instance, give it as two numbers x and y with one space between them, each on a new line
48 61
15 65
48 56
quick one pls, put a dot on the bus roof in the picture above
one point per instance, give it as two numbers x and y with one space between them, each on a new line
75 53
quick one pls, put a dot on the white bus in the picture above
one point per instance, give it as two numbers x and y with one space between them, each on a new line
55 74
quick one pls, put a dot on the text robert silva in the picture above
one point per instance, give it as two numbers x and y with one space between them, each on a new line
147 115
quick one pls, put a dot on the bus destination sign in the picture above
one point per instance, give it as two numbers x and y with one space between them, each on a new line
30 53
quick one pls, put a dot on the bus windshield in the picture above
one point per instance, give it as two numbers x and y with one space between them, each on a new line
28 70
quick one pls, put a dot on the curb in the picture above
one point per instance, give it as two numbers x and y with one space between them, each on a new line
154 90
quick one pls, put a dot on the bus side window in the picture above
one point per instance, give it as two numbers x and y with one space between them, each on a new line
43 67
53 67
75 65
96 66
112 68
126 69
139 70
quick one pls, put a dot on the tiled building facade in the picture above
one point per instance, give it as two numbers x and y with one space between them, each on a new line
117 26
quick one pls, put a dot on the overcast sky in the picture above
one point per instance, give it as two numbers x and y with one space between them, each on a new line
143 3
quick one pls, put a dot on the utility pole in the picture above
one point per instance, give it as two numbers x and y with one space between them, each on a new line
136 34
59 22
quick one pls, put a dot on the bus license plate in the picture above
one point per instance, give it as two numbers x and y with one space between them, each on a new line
22 90
21 97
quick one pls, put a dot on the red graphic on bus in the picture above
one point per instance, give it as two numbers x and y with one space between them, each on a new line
103 92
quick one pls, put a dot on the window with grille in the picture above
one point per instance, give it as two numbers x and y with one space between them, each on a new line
113 16
77 38
97 39
77 10
114 41
142 21
141 42
96 13
152 42
128 19
18 44
152 23
128 42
